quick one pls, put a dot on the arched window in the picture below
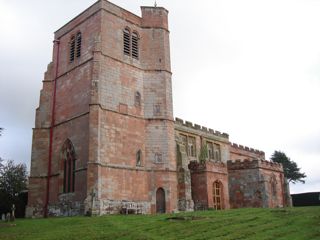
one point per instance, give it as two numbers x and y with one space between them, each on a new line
135 45
126 42
69 164
217 152
130 43
75 47
217 195
72 48
78 40
138 158
137 99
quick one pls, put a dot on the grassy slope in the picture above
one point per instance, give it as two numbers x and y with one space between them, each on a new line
292 223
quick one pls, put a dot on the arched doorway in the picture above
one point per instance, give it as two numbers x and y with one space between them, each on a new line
217 195
160 201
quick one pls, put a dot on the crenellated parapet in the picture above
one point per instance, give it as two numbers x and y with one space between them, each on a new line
247 149
190 125
252 164
208 166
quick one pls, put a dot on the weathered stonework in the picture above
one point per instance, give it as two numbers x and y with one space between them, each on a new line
256 183
110 133
204 175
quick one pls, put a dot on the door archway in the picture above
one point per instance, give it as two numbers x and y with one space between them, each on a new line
217 195
160 201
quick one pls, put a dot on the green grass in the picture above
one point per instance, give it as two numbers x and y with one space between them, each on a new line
289 223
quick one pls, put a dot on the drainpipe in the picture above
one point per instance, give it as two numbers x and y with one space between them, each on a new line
57 43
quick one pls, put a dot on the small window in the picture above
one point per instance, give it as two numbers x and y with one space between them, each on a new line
217 152
192 146
137 99
78 41
184 140
135 45
210 150
72 48
138 158
126 42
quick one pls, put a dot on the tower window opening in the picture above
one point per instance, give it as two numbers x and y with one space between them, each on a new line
135 46
72 48
137 99
138 158
78 40
126 42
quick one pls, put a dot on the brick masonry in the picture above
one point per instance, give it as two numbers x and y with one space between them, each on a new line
96 110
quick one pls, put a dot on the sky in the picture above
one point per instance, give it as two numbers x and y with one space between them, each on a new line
250 68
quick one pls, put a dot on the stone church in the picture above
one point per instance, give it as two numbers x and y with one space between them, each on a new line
105 140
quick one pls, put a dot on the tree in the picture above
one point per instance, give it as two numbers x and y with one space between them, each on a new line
1 129
203 156
290 168
13 180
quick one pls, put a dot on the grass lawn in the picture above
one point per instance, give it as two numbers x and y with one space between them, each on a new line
290 223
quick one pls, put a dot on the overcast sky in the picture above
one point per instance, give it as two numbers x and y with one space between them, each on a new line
250 68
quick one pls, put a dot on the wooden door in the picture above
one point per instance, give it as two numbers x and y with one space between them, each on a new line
160 201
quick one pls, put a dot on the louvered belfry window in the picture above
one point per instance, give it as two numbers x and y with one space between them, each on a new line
135 45
131 43
126 42
75 46
79 39
72 48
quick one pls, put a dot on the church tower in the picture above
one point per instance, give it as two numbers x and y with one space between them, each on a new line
103 140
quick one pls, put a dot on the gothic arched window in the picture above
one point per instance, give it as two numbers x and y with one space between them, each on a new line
131 43
72 48
78 44
69 164
126 42
217 195
135 45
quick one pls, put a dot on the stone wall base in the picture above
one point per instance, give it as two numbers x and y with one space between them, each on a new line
107 206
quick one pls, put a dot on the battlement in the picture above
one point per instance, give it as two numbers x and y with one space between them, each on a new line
247 149
188 124
249 164
208 166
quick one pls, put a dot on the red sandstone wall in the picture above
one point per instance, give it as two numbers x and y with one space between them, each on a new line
250 184
71 115
218 173
202 178
276 197
119 128
199 190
